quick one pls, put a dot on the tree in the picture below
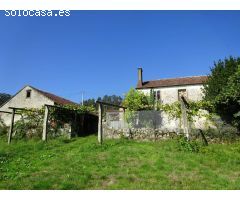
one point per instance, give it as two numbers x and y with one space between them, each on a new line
222 90
113 99
4 98
219 76
136 100
89 102
227 102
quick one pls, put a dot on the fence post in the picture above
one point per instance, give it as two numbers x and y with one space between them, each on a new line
45 122
11 126
100 129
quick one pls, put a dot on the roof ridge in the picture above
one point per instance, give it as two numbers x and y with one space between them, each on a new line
177 78
53 97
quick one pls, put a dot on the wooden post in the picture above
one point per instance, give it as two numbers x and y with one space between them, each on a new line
185 119
123 117
11 126
100 129
45 123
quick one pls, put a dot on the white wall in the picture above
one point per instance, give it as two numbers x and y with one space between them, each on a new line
170 94
36 100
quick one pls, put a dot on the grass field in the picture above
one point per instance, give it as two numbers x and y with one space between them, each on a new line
118 164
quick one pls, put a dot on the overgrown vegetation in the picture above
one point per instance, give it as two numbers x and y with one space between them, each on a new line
3 128
137 101
117 164
30 124
188 146
222 90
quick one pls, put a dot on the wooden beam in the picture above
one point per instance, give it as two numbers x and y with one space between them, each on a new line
56 106
185 102
11 127
20 109
45 123
109 104
6 112
204 138
100 129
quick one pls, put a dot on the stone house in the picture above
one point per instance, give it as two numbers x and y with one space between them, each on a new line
158 124
30 97
169 90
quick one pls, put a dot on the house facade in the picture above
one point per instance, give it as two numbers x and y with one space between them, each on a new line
30 97
169 90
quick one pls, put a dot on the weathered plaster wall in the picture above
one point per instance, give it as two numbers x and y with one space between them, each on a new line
36 100
170 94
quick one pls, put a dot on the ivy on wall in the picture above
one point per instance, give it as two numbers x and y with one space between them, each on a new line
31 121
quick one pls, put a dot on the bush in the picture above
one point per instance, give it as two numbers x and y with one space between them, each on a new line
136 100
3 128
30 124
188 146
27 129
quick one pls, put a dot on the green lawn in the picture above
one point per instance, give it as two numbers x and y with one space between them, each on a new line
118 164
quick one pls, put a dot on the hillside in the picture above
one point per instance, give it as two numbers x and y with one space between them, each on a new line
83 164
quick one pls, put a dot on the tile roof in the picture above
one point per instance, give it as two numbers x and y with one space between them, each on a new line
56 99
170 82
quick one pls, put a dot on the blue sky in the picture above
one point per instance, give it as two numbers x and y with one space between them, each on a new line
98 52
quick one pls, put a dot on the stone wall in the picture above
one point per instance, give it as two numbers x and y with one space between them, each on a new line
152 125
148 134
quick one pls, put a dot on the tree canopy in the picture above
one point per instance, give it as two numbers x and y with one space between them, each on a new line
113 99
223 90
220 73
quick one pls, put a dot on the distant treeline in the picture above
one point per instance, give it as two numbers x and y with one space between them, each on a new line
113 99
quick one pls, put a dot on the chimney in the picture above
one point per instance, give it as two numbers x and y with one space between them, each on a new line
140 78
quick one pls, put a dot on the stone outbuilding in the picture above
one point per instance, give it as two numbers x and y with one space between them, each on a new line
30 97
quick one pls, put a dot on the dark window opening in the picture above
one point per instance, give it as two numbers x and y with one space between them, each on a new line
182 93
156 95
28 94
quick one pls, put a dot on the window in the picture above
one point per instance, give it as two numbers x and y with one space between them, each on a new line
182 93
28 93
156 95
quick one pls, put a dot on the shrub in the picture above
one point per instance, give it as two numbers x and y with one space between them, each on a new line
136 100
3 128
189 146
